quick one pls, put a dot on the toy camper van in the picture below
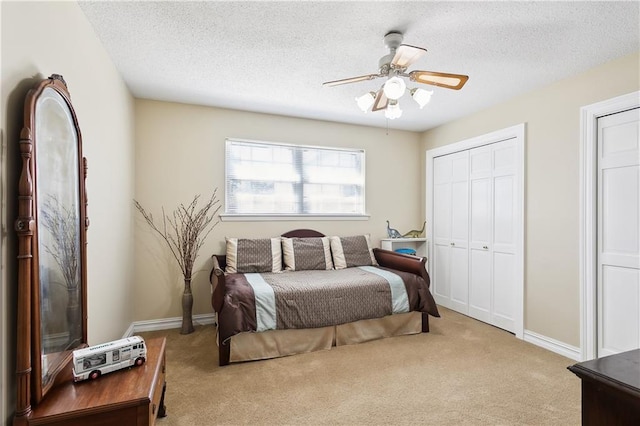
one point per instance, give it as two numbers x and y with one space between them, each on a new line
94 361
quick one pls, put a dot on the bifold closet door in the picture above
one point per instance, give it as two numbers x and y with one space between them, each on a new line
492 236
451 231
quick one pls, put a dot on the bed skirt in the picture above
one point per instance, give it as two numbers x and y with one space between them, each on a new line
277 343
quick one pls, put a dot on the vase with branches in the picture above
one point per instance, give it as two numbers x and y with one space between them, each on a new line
184 231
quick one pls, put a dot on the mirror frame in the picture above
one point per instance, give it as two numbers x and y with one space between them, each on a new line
30 387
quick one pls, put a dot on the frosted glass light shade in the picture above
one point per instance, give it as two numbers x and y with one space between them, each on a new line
394 88
365 101
421 96
393 110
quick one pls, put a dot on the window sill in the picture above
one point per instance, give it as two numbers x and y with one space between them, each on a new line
225 217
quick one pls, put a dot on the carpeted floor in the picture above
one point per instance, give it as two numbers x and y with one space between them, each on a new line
463 372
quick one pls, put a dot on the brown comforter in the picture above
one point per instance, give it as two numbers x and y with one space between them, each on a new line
309 299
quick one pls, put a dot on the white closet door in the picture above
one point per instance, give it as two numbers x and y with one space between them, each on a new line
459 268
480 235
618 283
474 205
442 172
493 237
504 236
450 234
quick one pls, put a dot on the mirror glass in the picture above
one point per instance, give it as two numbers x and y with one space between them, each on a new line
58 231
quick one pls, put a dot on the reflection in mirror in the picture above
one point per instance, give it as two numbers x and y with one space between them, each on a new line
51 227
58 216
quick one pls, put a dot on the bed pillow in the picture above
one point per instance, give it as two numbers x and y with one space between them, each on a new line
304 254
352 251
246 255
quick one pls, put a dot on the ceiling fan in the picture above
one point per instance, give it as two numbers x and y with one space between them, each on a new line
393 66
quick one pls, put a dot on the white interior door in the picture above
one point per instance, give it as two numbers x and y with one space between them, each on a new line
618 233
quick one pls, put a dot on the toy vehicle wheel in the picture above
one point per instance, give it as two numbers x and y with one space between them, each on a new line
140 361
94 374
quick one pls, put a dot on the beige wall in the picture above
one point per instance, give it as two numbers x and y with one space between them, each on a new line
39 39
180 153
552 117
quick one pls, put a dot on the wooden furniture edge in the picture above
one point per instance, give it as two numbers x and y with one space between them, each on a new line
593 376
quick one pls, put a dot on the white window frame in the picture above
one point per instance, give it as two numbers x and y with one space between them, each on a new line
300 216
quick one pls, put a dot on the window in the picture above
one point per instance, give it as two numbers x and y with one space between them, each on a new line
277 179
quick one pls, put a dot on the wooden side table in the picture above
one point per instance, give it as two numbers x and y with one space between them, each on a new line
129 397
610 389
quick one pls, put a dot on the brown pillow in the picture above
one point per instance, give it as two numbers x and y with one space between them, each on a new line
304 254
352 251
246 255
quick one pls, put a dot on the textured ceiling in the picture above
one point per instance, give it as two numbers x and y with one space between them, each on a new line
273 57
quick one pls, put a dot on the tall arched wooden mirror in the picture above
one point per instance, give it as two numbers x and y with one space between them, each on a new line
51 227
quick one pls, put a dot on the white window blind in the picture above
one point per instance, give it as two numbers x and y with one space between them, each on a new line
278 179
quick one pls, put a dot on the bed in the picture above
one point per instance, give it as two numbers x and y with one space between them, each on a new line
331 291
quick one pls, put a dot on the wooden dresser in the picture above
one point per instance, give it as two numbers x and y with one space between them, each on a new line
129 397
610 389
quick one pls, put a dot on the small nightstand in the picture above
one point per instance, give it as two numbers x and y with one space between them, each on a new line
130 397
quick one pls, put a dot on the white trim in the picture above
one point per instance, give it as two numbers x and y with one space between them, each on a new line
588 204
129 331
517 132
167 323
552 345
227 217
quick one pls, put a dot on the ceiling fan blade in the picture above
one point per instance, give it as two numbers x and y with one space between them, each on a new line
442 79
350 80
381 101
407 55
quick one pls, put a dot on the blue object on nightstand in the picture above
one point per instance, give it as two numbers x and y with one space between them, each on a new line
406 251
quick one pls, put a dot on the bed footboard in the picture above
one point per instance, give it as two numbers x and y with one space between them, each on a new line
217 281
218 284
402 262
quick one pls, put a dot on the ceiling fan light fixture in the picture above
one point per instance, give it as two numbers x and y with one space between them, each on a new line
366 101
392 67
421 96
393 110
394 88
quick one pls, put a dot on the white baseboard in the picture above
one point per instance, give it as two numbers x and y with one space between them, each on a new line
167 323
545 342
553 345
129 331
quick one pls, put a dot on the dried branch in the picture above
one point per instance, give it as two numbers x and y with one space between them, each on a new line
185 229
62 223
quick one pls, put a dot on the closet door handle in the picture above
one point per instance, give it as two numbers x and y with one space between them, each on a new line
485 247
453 244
